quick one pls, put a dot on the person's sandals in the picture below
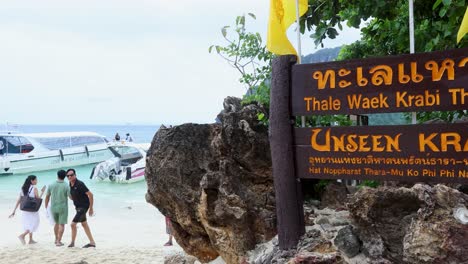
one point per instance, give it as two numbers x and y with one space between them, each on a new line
89 245
71 245
59 244
168 244
32 242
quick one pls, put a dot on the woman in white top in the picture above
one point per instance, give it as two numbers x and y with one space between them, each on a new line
30 220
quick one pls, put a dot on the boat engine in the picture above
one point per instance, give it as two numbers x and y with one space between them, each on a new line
106 169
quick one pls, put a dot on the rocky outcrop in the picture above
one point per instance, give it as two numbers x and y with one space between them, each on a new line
316 245
335 195
418 225
411 225
215 183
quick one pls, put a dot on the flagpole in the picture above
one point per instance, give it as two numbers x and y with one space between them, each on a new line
411 35
299 51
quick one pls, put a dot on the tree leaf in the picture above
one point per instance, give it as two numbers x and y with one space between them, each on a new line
332 33
436 4
447 2
260 116
224 31
242 20
442 12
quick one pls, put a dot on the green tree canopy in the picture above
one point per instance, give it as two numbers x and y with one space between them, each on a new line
385 25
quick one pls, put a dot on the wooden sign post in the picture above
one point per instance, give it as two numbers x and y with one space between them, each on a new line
289 202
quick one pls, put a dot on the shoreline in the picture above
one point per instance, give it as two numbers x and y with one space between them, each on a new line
133 233
40 253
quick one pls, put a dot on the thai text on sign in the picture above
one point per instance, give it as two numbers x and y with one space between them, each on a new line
413 82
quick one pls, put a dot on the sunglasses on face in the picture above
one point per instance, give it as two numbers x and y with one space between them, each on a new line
69 175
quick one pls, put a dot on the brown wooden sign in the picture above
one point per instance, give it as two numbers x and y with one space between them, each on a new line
435 152
414 82
417 82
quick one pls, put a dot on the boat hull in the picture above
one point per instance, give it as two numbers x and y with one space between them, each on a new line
136 176
53 159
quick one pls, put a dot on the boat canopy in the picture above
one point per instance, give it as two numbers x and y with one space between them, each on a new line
68 142
127 153
25 143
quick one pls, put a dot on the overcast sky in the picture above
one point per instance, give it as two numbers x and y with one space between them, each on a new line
120 61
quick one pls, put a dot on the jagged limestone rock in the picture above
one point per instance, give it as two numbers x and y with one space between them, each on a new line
411 225
215 183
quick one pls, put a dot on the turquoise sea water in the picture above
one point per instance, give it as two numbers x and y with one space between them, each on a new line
113 201
106 193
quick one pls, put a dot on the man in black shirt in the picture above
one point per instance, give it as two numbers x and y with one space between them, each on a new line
83 201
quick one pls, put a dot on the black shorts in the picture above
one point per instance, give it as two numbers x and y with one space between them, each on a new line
80 214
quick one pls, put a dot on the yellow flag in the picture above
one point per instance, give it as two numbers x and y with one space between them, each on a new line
464 27
282 15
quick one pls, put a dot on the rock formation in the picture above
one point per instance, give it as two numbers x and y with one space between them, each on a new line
215 183
415 225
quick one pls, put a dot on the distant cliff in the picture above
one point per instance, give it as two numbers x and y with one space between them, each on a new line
322 55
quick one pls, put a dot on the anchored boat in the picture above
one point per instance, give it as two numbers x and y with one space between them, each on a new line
25 153
127 166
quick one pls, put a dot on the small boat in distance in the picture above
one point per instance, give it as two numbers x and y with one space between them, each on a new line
127 166
31 152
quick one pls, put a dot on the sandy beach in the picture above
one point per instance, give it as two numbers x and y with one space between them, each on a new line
132 232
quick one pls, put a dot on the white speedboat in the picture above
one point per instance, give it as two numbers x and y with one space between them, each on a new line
25 153
127 166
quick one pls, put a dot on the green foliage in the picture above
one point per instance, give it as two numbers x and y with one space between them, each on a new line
260 94
386 30
447 116
320 186
369 183
324 121
248 55
263 119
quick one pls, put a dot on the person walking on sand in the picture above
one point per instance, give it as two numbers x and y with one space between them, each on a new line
168 231
30 220
58 194
83 201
